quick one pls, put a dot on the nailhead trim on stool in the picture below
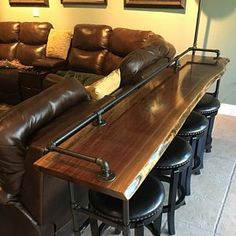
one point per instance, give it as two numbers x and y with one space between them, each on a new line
176 159
145 207
208 106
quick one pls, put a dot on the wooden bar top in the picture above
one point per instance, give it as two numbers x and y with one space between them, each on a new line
134 139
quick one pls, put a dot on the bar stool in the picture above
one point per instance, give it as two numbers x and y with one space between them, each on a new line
145 208
175 160
208 106
194 131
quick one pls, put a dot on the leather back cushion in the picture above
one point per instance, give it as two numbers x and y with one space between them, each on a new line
33 39
91 37
99 49
89 47
9 32
8 51
34 33
27 54
122 42
87 61
9 35
18 124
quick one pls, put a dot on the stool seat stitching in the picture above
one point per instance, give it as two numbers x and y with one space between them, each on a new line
172 167
131 220
192 133
208 112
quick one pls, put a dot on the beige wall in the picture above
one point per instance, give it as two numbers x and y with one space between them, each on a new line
177 26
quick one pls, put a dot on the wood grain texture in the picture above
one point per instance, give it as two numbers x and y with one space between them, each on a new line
136 135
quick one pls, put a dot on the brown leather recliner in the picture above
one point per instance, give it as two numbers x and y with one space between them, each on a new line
31 202
25 42
99 49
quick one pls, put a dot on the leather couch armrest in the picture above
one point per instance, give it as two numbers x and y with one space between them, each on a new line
18 126
49 63
155 52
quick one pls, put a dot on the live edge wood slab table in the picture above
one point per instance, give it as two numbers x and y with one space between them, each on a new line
138 130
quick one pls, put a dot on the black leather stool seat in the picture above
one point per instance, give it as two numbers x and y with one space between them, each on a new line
146 202
178 153
195 124
170 168
208 105
145 209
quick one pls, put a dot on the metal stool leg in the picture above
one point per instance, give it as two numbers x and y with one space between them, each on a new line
126 225
187 183
157 225
208 144
196 158
201 147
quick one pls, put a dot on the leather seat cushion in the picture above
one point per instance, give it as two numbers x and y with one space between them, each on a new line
208 104
177 154
147 201
195 124
85 78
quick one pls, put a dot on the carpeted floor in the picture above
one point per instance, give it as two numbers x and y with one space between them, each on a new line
211 208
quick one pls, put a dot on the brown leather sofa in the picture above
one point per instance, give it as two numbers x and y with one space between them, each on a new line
99 49
25 42
33 203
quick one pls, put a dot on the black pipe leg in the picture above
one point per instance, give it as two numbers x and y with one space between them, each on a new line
172 201
139 231
73 211
126 225
94 227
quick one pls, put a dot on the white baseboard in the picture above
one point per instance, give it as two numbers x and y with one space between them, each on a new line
227 109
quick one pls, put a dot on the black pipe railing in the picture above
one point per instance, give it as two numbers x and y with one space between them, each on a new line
106 174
